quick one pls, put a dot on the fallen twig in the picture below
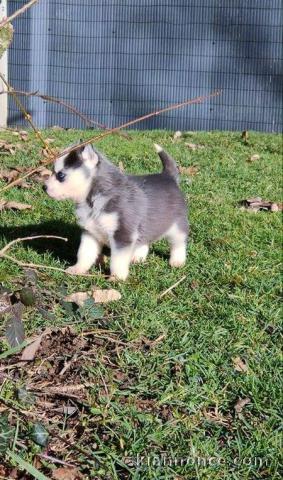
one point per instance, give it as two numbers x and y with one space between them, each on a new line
68 365
17 240
55 460
28 265
114 130
172 286
37 265
17 13
105 337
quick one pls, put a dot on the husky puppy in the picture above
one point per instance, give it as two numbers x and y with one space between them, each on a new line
125 212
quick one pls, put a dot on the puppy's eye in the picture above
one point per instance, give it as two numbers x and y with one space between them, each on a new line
60 176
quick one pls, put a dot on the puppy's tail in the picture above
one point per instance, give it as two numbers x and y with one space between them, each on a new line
169 164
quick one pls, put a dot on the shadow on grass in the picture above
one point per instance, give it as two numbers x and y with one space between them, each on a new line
64 251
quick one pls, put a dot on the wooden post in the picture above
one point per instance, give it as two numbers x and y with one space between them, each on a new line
4 71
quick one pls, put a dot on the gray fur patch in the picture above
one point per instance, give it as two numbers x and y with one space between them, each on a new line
147 206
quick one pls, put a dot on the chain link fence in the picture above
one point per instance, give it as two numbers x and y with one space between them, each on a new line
116 60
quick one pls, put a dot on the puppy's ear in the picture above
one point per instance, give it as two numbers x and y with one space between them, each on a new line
89 156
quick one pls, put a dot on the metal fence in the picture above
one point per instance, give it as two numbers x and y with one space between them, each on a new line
117 59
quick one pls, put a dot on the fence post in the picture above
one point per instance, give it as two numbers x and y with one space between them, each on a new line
4 71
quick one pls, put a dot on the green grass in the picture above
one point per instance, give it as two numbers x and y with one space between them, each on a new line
228 306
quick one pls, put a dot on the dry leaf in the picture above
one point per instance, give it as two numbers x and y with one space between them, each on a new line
254 157
5 303
9 175
78 297
42 175
217 417
23 135
45 152
194 146
23 184
66 473
241 403
6 205
275 207
190 171
49 140
177 135
245 136
57 127
121 167
12 175
105 296
256 204
66 410
239 364
29 352
7 148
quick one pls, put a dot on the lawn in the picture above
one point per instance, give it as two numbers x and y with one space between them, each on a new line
160 377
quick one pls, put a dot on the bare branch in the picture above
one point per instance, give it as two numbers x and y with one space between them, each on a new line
58 101
68 106
17 13
196 100
26 114
137 120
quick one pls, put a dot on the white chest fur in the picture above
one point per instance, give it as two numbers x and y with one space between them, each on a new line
98 223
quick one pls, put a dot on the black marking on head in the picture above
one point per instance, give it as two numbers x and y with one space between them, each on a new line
73 160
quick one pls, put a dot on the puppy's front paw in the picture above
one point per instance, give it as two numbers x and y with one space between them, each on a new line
75 270
140 254
117 277
136 259
177 262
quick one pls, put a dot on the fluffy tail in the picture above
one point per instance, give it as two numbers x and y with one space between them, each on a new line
169 164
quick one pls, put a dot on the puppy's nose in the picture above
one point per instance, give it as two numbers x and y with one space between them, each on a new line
44 188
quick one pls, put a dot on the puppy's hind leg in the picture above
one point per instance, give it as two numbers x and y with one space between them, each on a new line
178 246
88 252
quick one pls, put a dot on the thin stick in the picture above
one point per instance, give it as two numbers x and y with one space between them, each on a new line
38 266
58 101
137 120
105 337
26 114
17 240
18 12
68 106
55 460
172 286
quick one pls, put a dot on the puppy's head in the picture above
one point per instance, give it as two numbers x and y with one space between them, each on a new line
73 174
